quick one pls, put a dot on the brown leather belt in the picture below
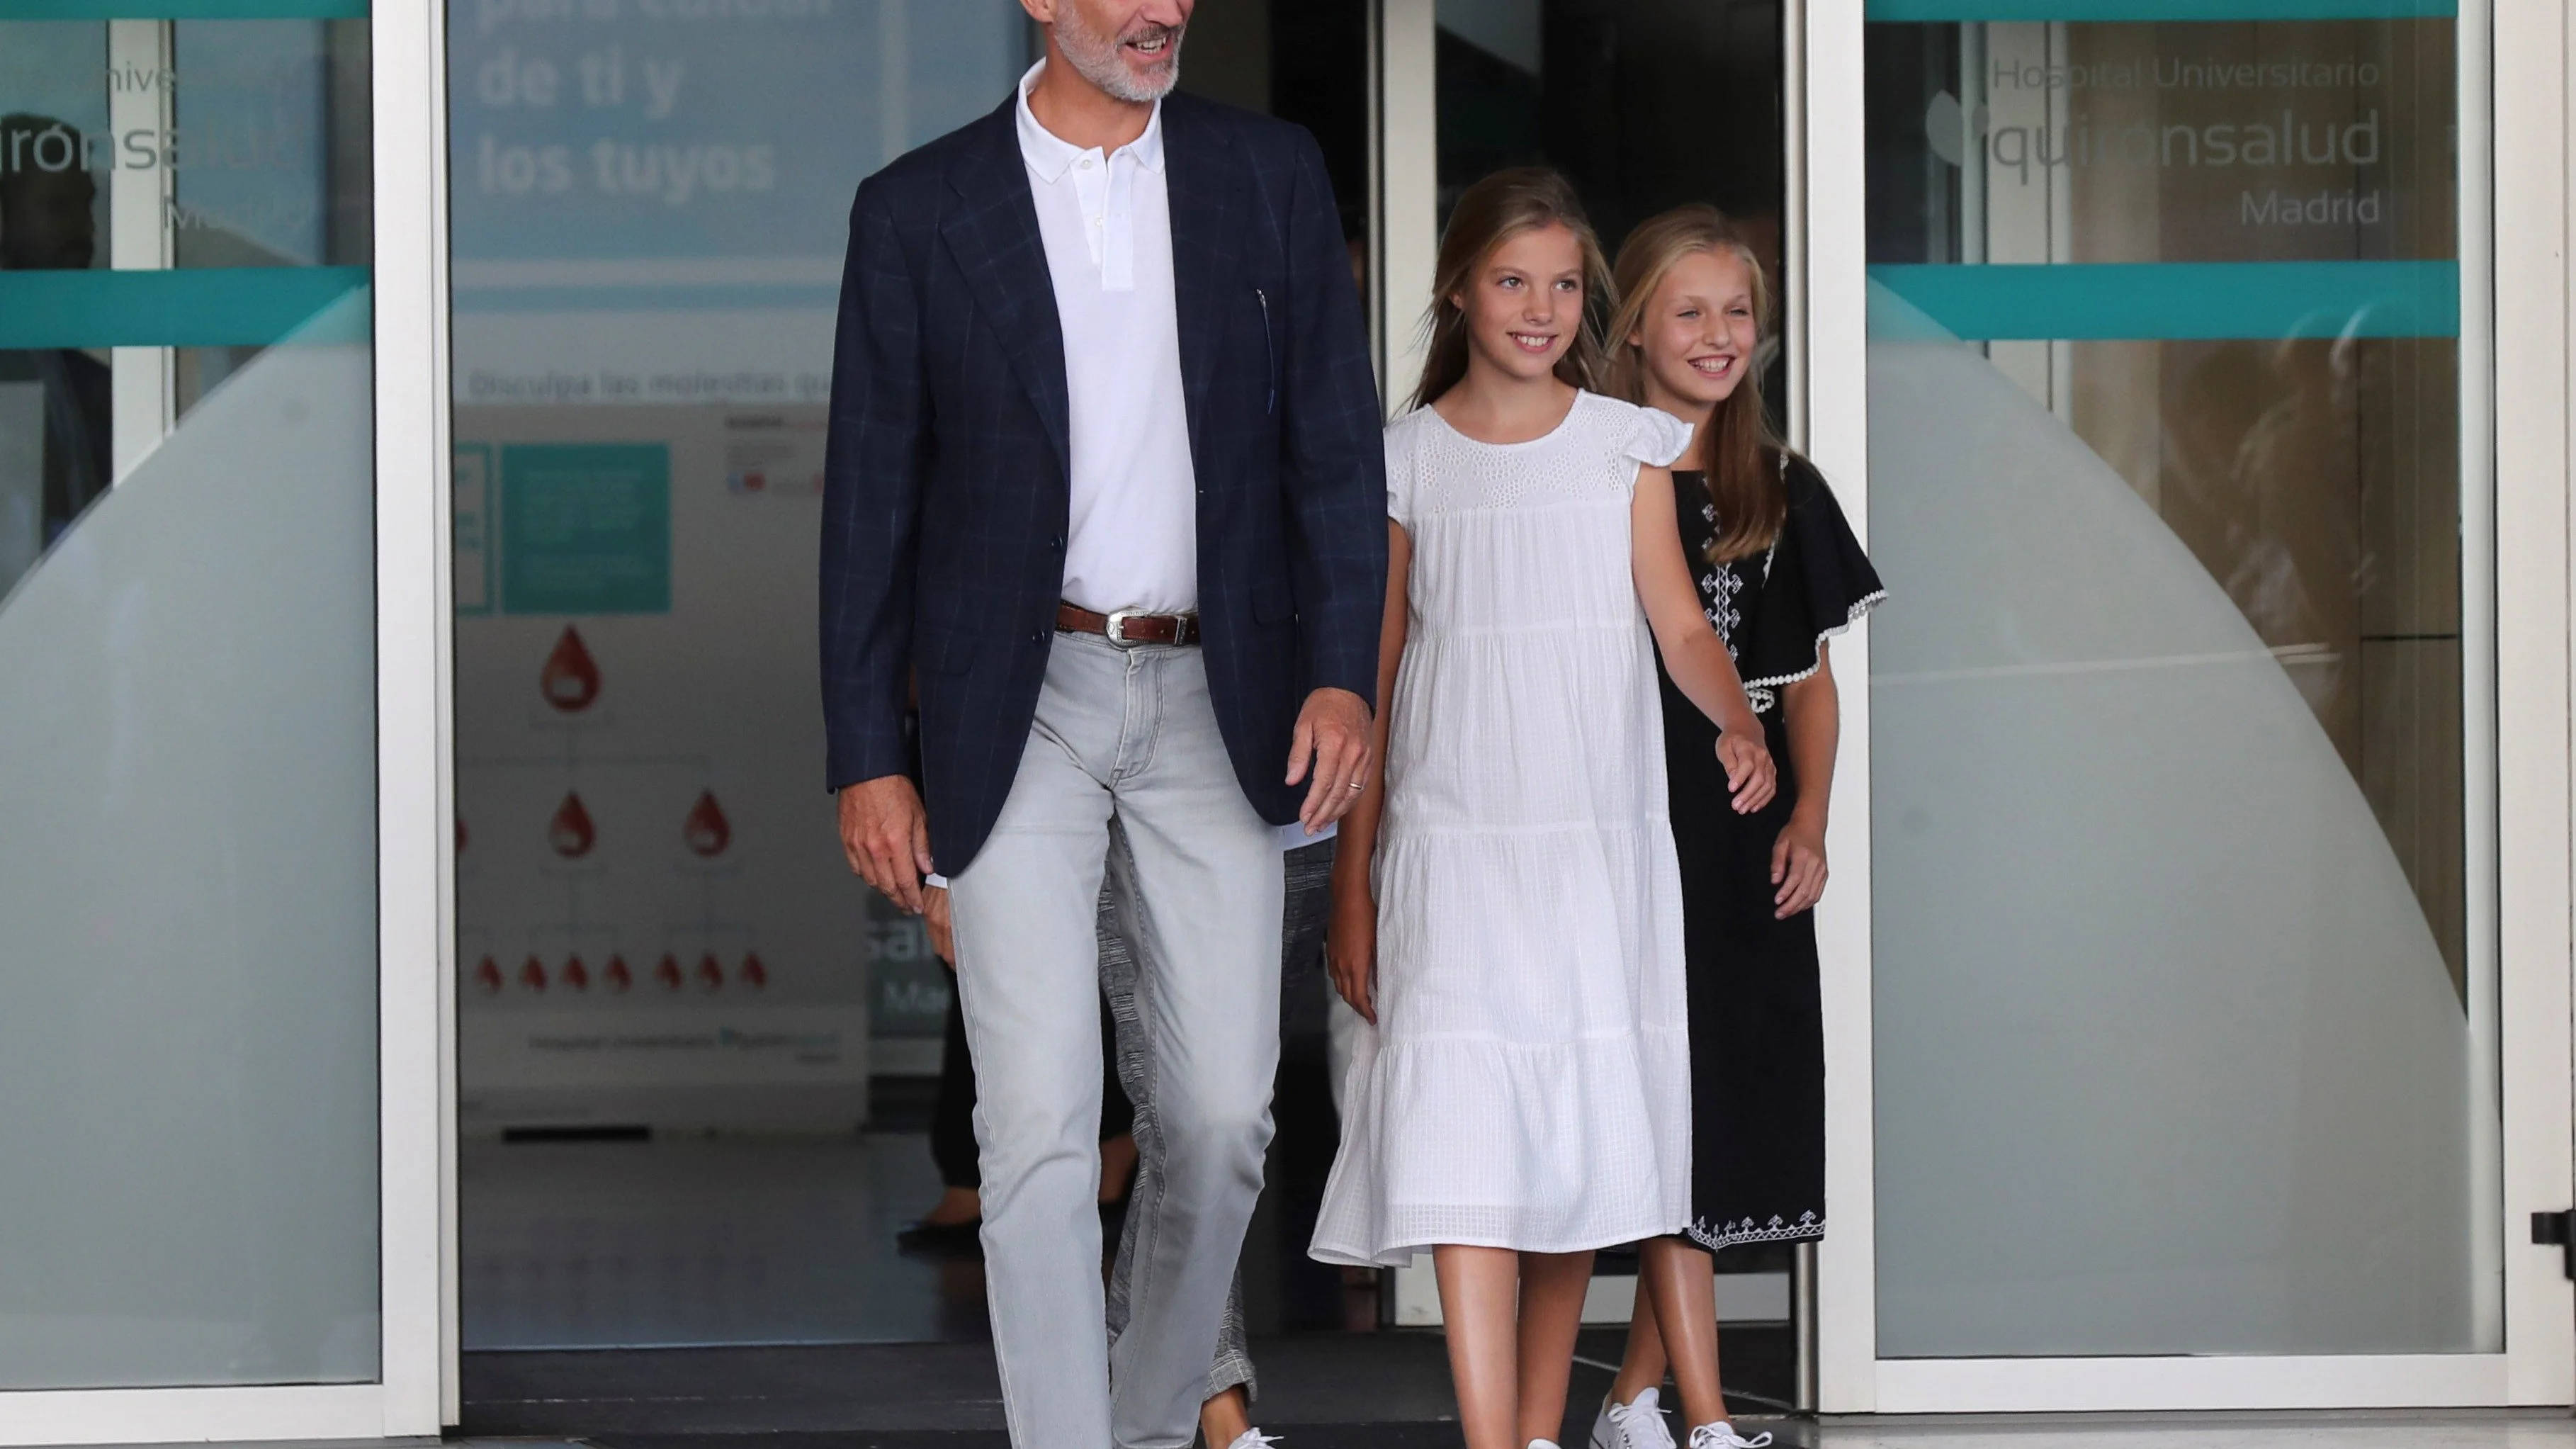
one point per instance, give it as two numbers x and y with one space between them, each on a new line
1126 626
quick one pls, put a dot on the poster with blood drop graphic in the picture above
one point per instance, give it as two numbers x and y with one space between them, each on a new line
641 820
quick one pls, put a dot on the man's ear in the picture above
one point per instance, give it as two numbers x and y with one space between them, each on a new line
1041 11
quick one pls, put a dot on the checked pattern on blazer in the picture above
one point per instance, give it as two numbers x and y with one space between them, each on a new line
945 495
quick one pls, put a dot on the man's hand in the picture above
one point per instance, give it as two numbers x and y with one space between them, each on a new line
886 835
1332 745
934 916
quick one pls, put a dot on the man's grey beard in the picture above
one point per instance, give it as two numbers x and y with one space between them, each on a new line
1095 58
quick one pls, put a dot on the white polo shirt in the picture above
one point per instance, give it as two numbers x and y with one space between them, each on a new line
1106 221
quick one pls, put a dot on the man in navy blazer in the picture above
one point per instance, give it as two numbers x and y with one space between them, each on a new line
1105 492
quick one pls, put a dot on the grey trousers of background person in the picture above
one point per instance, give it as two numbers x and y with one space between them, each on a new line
1308 877
1123 734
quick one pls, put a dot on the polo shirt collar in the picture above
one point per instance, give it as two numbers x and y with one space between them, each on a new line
1050 155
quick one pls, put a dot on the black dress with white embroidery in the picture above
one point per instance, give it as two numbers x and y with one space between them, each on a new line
1756 1027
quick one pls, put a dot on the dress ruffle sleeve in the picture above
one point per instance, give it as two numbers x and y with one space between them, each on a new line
1399 472
1817 583
1658 438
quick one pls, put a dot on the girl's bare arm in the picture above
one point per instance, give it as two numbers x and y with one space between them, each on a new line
1811 711
1693 654
1350 940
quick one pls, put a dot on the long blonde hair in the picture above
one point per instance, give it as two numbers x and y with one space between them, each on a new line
1494 210
1740 456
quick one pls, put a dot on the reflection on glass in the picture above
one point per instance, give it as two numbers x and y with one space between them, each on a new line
2181 1042
651 208
187 985
1644 104
54 402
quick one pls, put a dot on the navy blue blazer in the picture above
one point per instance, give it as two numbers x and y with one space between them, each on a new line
945 497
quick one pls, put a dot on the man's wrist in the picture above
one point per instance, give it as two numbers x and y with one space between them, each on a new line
1324 689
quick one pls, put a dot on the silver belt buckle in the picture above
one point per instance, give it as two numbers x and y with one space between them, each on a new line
1116 628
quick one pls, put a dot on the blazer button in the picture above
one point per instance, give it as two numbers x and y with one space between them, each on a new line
1056 542
1038 637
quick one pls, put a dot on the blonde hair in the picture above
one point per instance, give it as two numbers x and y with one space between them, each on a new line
1494 210
1741 458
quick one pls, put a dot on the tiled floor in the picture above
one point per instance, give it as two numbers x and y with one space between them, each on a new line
691 1243
2457 1430
627 1244
2526 1430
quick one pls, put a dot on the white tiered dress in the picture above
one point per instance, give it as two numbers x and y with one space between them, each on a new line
1527 1084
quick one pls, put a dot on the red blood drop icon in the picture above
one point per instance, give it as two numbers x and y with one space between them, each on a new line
754 975
619 978
532 974
706 830
487 975
570 680
576 975
711 972
668 972
570 832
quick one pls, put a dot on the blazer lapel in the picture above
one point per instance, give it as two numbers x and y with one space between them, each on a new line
995 239
1205 190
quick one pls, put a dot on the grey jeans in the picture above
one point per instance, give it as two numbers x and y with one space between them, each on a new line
1123 737
1308 879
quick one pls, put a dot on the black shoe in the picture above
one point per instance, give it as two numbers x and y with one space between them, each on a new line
942 1240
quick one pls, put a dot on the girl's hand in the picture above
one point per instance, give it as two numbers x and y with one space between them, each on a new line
934 916
1750 775
1350 951
1797 868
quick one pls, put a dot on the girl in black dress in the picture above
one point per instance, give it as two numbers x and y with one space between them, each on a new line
1778 571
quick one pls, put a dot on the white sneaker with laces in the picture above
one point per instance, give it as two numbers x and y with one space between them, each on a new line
1721 1435
1253 1439
1635 1425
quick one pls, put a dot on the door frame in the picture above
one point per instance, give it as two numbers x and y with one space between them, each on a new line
414 810
2517 65
416 679
2514 64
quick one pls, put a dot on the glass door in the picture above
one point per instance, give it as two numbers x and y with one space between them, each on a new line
2168 1056
218 988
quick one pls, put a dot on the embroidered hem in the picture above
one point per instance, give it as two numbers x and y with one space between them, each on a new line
1808 1228
1769 682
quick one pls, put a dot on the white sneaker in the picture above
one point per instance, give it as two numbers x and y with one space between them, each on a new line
1637 1425
1721 1435
1542 1444
1253 1439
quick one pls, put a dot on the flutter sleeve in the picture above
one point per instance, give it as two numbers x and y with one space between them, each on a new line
1656 437
1399 473
1817 583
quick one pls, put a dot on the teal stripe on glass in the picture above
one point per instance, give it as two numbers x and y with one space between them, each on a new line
2096 11
2174 300
183 9
214 307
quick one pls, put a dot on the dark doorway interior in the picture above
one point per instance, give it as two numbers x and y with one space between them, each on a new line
643 1267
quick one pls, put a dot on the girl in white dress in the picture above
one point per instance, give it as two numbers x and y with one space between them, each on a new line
1507 910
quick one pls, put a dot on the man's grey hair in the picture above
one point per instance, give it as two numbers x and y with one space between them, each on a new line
1094 56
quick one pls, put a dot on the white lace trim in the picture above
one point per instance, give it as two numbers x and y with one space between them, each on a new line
1728 1235
1769 682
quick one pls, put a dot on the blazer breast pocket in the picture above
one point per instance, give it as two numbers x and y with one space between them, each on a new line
1263 298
